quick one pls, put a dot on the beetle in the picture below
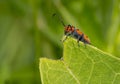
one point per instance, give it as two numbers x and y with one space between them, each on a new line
70 30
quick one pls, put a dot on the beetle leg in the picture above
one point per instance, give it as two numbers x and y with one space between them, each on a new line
66 36
85 44
78 40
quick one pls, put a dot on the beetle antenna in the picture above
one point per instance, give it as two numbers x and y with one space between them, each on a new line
60 19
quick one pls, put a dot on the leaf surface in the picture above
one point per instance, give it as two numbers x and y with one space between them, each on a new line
81 65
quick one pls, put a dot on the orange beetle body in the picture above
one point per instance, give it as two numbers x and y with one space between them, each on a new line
76 33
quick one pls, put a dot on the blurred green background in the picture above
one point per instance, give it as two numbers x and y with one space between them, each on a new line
28 31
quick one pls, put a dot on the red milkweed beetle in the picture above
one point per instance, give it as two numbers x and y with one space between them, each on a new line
70 30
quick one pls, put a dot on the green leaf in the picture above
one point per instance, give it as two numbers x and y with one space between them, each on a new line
81 65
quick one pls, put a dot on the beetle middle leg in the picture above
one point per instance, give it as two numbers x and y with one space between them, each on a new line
80 38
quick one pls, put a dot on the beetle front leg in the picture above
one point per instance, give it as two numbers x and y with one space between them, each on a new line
64 38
